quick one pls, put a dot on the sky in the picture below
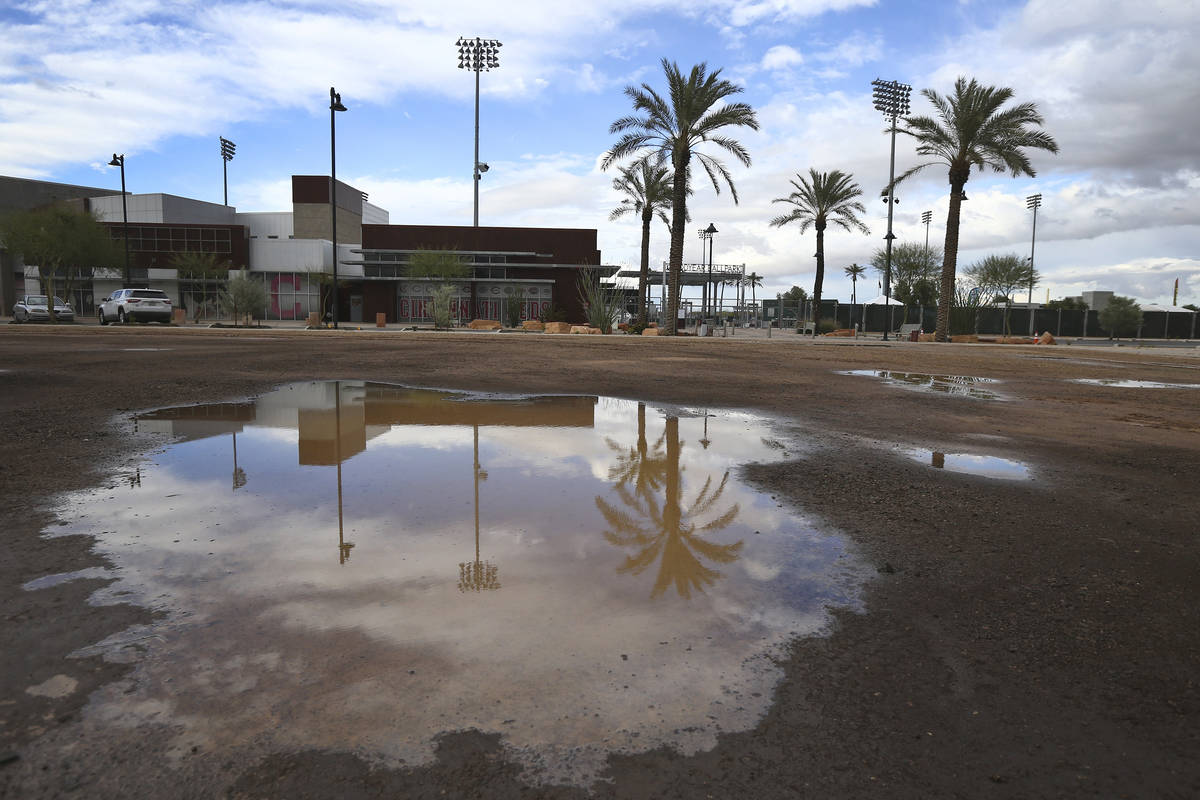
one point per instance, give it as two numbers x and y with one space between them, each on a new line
161 81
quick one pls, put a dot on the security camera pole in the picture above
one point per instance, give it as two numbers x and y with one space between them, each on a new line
476 55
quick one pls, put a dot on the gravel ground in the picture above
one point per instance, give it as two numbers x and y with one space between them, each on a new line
1022 639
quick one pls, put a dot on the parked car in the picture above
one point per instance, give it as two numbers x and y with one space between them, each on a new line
135 305
32 308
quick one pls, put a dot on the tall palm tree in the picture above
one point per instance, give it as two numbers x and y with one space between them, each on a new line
855 271
754 280
827 197
973 131
674 127
647 185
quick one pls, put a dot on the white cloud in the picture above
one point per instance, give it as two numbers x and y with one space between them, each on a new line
781 57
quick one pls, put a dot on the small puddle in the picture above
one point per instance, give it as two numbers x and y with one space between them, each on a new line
146 349
968 464
358 566
1134 384
960 385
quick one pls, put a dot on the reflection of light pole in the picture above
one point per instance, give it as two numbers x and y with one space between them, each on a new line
335 104
891 97
239 474
477 575
119 161
705 442
227 150
343 545
476 55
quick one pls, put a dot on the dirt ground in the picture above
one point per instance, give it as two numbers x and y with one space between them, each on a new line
1023 639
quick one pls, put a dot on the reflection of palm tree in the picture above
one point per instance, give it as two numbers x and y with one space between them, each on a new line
668 531
640 466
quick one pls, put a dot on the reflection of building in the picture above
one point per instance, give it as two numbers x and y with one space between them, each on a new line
333 424
291 252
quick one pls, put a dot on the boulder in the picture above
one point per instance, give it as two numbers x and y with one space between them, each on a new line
585 329
558 327
927 337
485 325
533 325
652 331
1046 338
844 332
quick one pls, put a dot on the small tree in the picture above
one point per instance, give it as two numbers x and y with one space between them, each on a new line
244 297
1003 275
441 267
61 242
915 272
601 303
1066 304
1121 317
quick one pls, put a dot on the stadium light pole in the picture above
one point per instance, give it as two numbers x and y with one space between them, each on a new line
119 161
227 151
926 217
891 98
478 55
710 295
335 105
1034 201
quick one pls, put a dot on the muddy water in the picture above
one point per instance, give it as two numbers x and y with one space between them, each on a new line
960 385
355 566
1134 384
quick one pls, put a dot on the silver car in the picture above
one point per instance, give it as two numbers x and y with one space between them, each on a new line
32 308
135 305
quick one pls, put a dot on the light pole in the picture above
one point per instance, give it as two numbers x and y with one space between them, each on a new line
335 105
926 217
1034 201
891 98
119 161
478 55
227 150
706 234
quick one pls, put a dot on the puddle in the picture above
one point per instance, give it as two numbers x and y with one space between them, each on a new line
356 566
146 349
968 464
960 385
1134 384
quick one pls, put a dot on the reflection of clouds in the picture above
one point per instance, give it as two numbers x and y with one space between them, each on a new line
385 651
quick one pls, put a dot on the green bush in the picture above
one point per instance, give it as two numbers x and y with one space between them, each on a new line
827 326
443 293
244 298
512 313
553 314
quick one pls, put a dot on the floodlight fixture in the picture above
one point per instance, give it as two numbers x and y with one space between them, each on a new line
478 55
228 148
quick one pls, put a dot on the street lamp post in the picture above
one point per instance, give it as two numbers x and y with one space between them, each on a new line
706 234
891 98
335 105
478 55
227 150
1034 201
119 161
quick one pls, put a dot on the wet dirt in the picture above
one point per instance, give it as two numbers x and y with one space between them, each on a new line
1019 639
958 385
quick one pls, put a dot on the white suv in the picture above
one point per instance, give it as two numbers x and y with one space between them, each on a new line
135 305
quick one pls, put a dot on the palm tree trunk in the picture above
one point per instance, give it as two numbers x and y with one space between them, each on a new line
950 262
644 277
820 278
678 224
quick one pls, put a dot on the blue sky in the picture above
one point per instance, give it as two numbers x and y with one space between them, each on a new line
160 81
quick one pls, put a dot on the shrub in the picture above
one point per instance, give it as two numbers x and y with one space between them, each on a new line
244 297
553 314
601 303
512 313
443 293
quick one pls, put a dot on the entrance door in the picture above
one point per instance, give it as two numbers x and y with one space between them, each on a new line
356 308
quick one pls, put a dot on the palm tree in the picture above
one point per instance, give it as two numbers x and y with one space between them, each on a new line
828 197
647 186
973 132
855 272
754 280
674 128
